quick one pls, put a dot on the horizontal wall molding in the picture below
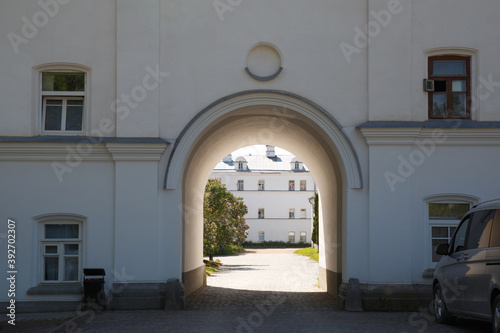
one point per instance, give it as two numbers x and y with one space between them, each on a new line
136 151
451 133
80 148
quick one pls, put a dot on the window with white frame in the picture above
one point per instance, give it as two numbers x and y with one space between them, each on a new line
291 236
63 98
261 185
240 186
291 213
261 213
302 213
261 236
61 249
303 185
303 236
291 185
443 219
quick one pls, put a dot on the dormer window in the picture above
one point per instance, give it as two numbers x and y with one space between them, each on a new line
241 164
296 165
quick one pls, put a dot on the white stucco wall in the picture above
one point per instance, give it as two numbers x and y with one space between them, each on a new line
198 56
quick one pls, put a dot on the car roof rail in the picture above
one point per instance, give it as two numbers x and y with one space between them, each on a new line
485 202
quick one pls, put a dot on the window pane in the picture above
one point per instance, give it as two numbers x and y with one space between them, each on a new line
442 211
63 81
459 239
479 233
71 249
439 232
439 86
74 118
291 237
51 249
51 269
438 104
495 231
61 231
53 116
459 106
261 236
71 269
449 67
458 86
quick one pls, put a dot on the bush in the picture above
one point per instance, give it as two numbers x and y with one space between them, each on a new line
274 244
230 250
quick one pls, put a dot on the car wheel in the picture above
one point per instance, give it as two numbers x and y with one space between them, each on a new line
440 310
495 312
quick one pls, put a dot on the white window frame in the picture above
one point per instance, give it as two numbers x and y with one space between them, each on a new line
263 234
240 185
260 213
41 96
261 185
61 219
429 223
64 107
303 237
291 213
291 185
290 235
303 213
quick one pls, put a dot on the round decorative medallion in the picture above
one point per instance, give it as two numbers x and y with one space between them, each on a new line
264 62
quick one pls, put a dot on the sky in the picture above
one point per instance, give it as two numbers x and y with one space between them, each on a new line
258 150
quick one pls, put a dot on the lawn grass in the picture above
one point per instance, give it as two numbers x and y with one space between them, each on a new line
309 252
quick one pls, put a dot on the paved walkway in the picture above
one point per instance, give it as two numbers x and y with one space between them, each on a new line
261 291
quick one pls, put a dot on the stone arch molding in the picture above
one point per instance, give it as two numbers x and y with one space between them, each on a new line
203 120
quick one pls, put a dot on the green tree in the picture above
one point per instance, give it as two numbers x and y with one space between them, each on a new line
315 232
224 220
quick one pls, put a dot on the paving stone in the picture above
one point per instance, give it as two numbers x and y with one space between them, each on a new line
262 292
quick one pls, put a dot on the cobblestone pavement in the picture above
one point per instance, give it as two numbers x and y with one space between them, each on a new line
263 291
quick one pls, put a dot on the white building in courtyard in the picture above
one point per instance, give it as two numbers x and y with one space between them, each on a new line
276 187
114 113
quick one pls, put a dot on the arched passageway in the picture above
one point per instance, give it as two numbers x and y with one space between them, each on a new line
265 117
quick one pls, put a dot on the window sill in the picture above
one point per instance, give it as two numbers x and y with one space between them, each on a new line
428 273
55 289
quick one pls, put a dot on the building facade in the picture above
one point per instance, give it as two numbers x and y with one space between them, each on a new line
276 187
114 113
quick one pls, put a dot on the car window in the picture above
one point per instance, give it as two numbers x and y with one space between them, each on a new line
495 231
458 242
480 228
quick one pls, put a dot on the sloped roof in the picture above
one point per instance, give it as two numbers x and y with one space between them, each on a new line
259 162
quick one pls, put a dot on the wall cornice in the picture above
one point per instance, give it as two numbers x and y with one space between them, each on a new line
485 134
136 151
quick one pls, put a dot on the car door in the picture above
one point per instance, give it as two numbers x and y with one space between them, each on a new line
493 255
476 281
452 270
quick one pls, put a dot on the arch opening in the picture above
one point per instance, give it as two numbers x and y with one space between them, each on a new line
305 136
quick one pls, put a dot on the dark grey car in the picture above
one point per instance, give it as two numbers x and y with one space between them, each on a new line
467 278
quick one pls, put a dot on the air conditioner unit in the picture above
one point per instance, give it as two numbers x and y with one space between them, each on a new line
428 85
